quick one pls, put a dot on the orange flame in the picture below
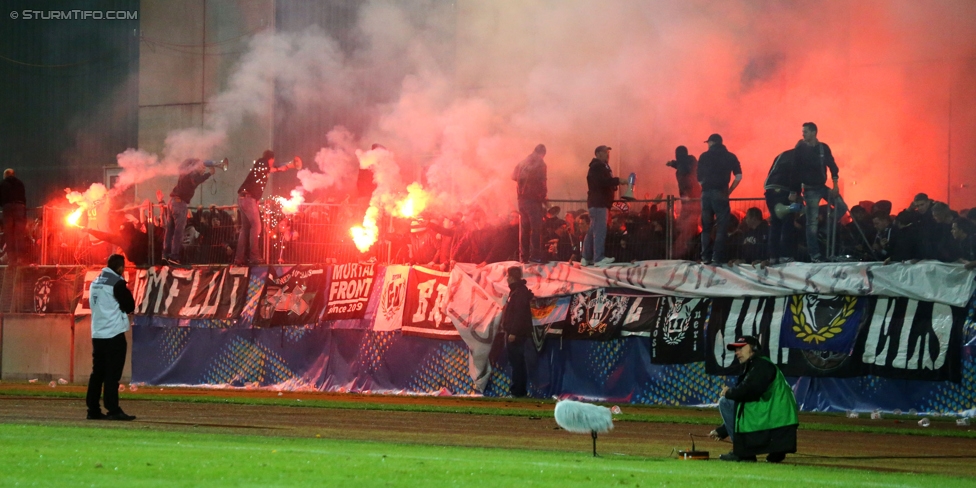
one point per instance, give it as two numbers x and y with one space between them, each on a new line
291 205
86 201
414 203
73 218
365 236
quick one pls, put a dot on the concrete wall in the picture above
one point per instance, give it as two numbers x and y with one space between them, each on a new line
188 51
48 348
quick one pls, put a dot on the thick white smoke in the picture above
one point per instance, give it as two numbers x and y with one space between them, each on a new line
462 91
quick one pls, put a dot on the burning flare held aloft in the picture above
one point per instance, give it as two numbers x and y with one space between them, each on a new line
409 206
87 201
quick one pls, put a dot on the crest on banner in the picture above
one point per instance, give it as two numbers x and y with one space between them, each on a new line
593 312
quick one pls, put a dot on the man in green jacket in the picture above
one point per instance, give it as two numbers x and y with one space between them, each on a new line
759 413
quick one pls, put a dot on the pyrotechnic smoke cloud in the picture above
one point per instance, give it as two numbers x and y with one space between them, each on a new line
462 91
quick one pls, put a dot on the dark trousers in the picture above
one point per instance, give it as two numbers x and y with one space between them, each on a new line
108 360
715 205
516 351
15 231
530 229
175 228
248 250
782 234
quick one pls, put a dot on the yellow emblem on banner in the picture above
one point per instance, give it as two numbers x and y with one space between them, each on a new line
803 328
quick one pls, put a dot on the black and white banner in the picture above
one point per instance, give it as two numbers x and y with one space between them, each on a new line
902 338
679 331
350 286
198 293
425 310
292 296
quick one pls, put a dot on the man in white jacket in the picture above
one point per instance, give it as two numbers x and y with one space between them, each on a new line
111 302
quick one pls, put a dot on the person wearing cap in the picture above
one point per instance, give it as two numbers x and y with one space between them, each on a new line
714 167
530 175
812 158
111 302
759 413
248 196
601 184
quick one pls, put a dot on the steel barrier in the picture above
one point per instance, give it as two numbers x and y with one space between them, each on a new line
664 228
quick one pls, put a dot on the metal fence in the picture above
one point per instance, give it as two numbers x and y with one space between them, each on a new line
665 228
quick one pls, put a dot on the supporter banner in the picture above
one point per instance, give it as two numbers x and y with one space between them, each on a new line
46 289
350 286
425 310
823 323
913 340
476 316
899 338
200 293
393 295
292 296
599 315
549 316
83 307
679 331
950 284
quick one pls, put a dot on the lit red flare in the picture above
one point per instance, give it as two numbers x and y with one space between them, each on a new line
365 236
291 205
414 203
86 201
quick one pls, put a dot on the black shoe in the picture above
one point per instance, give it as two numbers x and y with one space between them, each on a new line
730 456
95 416
120 416
775 457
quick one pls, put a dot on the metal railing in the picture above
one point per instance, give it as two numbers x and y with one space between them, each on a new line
664 228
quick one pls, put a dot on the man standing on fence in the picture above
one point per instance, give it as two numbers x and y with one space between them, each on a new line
714 168
111 302
782 187
813 158
601 184
686 172
248 196
530 174
192 174
13 199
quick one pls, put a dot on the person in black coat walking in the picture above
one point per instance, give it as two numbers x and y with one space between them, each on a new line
517 328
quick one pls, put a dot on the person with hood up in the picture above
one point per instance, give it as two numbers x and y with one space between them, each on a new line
530 174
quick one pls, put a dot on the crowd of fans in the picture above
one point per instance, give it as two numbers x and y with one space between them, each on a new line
871 231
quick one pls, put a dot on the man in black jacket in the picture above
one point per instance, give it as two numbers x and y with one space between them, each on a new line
812 159
686 172
759 413
714 168
782 188
13 200
530 174
517 328
192 174
601 184
248 196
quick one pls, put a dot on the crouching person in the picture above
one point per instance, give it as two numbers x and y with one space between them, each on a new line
759 413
